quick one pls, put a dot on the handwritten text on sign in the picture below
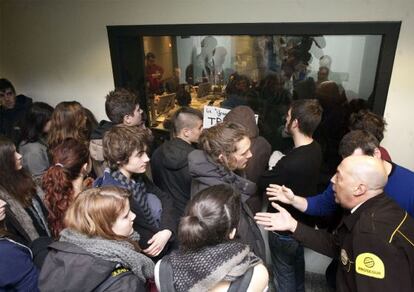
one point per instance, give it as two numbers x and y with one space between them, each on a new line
214 115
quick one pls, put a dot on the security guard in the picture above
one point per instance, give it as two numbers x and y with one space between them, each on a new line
375 240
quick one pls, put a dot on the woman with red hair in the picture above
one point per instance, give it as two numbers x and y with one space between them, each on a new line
64 180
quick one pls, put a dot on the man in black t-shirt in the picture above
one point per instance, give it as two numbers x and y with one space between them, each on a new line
298 170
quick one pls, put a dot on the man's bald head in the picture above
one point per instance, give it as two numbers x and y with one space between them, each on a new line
358 178
368 170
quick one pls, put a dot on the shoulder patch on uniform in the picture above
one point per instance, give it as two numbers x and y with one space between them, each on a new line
119 271
368 264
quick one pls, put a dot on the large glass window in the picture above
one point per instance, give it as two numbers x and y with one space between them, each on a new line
263 72
264 66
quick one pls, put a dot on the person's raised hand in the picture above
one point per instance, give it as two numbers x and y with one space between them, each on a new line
281 221
280 193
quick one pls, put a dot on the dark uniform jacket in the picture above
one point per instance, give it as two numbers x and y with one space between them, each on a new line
70 268
374 245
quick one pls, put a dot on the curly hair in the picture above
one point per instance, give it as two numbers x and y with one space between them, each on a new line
68 121
121 141
68 158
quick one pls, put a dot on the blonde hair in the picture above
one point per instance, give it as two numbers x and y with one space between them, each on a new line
95 210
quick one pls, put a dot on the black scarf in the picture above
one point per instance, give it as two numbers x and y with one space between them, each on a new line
203 269
139 194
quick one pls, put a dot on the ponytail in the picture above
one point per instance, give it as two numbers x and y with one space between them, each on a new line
191 232
58 197
210 217
68 159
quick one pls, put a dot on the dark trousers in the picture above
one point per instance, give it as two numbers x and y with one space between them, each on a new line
288 263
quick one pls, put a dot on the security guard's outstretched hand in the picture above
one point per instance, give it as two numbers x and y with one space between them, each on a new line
280 221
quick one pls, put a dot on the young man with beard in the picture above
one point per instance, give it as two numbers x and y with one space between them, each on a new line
169 162
299 170
225 149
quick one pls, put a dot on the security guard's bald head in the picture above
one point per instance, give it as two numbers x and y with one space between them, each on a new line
358 178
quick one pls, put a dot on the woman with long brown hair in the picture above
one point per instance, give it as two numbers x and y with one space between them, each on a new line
68 121
26 216
64 180
97 247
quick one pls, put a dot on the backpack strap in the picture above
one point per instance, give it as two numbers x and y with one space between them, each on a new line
242 283
118 273
166 276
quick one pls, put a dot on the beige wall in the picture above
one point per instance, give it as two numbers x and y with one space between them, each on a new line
57 50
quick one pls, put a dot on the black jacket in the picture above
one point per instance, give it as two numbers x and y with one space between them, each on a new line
102 128
11 120
169 164
374 246
70 268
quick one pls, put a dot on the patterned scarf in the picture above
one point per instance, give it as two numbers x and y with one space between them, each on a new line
203 269
139 195
117 251
23 217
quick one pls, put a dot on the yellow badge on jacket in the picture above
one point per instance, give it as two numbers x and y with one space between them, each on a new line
370 265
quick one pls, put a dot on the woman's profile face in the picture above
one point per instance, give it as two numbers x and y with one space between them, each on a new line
18 159
124 222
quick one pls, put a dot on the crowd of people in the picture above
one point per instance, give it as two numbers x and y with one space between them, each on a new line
93 207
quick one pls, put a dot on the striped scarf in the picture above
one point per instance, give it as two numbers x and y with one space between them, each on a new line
139 195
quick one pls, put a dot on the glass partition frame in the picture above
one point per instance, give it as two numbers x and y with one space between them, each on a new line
123 38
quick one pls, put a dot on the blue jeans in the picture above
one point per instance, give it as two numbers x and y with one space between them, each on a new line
288 263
